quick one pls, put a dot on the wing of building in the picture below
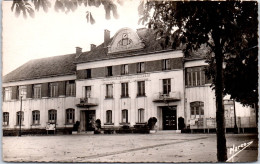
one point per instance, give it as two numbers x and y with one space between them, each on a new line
122 82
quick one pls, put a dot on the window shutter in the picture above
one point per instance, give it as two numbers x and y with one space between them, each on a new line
3 93
14 92
116 70
132 68
176 63
81 74
61 88
45 90
29 91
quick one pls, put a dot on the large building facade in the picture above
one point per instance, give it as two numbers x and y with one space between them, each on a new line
124 81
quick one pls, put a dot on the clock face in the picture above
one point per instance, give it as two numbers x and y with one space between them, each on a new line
124 35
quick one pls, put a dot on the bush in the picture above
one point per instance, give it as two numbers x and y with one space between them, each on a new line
151 122
97 127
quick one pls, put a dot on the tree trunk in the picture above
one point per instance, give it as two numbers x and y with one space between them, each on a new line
220 117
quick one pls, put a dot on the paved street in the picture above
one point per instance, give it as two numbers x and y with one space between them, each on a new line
159 147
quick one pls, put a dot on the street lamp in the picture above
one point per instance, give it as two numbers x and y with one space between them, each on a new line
20 118
235 118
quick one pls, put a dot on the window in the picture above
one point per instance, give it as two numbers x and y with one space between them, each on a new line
109 116
70 116
87 91
37 91
166 86
8 94
125 116
124 90
22 91
140 67
140 88
52 116
53 89
109 71
88 71
195 76
109 91
140 115
197 109
5 118
70 88
166 64
19 118
124 69
35 117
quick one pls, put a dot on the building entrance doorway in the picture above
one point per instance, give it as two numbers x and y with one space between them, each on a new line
87 120
169 118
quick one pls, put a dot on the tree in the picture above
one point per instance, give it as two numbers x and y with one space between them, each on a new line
29 7
228 30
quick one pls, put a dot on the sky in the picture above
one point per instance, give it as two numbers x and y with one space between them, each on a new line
56 33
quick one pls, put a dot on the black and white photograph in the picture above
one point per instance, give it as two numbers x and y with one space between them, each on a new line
129 81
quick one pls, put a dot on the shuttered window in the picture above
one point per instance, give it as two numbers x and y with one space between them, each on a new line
37 91
140 67
70 88
166 64
8 94
53 89
22 92
124 69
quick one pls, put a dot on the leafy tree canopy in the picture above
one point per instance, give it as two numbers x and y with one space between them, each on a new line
227 27
228 30
28 7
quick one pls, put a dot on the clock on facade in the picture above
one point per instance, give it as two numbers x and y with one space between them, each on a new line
124 35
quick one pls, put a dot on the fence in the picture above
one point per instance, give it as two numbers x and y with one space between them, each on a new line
210 123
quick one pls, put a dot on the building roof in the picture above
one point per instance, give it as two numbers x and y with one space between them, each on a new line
45 67
100 53
66 64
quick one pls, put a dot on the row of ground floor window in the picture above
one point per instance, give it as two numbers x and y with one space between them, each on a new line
69 117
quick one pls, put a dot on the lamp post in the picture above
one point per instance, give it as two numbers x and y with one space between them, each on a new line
20 118
235 119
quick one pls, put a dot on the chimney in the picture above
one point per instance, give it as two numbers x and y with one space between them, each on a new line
78 51
92 46
106 37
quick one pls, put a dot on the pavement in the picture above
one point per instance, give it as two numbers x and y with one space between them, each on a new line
163 146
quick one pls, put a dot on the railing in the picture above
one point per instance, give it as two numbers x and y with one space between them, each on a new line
210 123
87 101
172 96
